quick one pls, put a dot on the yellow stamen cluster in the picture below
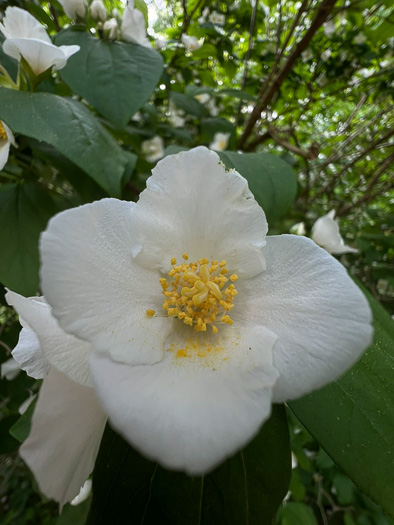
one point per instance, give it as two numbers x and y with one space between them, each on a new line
199 293
3 134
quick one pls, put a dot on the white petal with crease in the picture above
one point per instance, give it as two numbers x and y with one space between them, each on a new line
321 317
105 301
67 427
191 412
55 347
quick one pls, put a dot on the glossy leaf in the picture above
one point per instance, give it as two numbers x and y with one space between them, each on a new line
72 130
247 488
353 418
117 78
24 213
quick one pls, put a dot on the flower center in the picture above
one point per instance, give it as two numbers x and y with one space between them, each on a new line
3 134
199 293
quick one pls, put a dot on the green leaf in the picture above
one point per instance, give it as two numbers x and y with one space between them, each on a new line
247 488
296 514
24 213
188 104
72 130
117 78
237 93
74 515
141 6
271 180
353 418
205 51
21 429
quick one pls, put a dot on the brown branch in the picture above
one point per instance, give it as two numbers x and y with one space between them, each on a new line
330 185
309 154
355 111
368 196
267 95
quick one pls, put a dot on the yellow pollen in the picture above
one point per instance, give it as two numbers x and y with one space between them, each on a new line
198 293
3 134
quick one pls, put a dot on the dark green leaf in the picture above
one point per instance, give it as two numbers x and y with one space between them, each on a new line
237 93
116 77
21 429
24 213
8 444
70 128
74 515
188 103
296 514
271 180
248 488
353 418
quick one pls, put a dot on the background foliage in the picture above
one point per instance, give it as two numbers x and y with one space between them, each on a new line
305 90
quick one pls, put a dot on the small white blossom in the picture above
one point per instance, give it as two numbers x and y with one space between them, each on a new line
298 229
202 98
191 43
160 43
307 55
111 28
74 8
133 27
153 149
220 141
26 37
98 11
10 369
6 140
321 80
329 28
217 18
359 39
326 55
325 232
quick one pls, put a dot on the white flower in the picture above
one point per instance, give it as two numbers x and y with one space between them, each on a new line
191 43
25 37
84 493
153 149
359 39
111 27
26 403
133 27
321 80
329 28
217 18
9 369
176 120
160 43
74 8
325 232
212 107
205 11
98 11
6 139
298 229
220 141
202 98
186 377
326 55
307 55
66 405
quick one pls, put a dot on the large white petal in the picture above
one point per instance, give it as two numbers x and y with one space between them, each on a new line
18 23
68 353
193 205
38 54
67 427
95 289
320 316
191 411
133 27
